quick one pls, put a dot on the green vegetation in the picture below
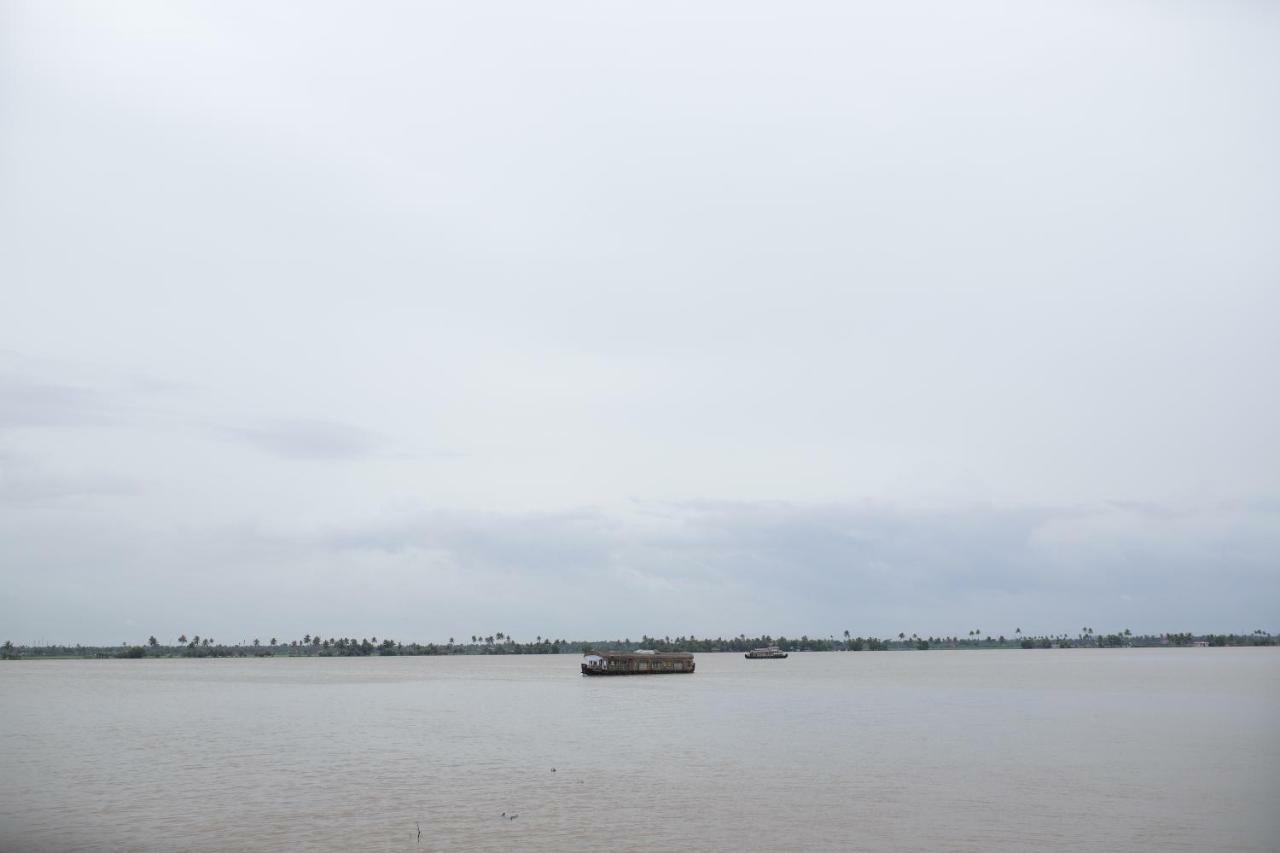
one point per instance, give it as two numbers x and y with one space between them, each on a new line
502 643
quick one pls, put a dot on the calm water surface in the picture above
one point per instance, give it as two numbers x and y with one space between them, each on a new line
1080 750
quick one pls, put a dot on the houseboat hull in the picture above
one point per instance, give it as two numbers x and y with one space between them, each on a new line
586 670
750 656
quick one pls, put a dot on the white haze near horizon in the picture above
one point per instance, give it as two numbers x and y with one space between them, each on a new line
597 319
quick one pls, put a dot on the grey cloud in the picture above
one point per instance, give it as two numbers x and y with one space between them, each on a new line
150 401
707 567
37 393
738 562
564 542
25 403
24 481
308 439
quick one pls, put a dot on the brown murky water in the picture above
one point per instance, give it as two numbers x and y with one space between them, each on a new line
1108 750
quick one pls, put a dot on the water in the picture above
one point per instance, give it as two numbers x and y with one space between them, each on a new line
1080 750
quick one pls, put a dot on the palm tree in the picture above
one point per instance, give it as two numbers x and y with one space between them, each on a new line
273 641
152 641
182 640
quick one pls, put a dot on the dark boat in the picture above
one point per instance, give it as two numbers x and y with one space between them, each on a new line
641 662
771 652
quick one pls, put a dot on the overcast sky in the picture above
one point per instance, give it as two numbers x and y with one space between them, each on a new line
596 319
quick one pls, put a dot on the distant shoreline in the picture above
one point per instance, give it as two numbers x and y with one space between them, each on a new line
499 644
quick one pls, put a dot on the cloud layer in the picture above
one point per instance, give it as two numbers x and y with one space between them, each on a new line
846 315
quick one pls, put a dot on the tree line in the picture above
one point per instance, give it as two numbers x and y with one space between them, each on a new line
502 643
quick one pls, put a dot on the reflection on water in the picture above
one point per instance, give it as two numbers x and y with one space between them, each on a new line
1080 750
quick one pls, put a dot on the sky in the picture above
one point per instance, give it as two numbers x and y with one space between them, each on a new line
591 320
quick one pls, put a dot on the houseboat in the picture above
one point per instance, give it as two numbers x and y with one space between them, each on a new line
639 662
765 653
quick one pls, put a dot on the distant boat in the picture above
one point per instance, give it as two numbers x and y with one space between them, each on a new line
639 662
767 653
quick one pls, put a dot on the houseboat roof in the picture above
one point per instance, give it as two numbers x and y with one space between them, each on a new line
645 655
